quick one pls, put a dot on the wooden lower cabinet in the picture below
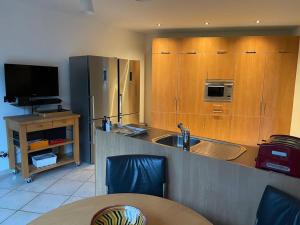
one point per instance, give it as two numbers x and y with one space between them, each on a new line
218 127
244 130
210 126
166 121
194 122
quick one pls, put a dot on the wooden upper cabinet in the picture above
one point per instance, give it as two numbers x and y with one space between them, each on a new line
248 84
288 44
166 45
266 44
190 45
218 45
245 44
164 82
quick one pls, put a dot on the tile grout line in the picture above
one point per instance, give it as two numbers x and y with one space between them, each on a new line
43 192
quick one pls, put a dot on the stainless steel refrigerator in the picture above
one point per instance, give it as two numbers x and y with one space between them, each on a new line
103 86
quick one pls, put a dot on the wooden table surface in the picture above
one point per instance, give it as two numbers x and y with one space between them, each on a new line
158 211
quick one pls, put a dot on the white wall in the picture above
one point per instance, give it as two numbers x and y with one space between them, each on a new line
34 35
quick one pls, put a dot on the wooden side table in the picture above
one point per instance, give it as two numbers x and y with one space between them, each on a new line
31 123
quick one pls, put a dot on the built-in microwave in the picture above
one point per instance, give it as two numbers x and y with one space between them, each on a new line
218 90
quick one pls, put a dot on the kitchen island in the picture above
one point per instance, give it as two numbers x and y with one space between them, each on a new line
225 192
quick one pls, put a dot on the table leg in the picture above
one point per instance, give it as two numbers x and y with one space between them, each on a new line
76 152
24 152
11 148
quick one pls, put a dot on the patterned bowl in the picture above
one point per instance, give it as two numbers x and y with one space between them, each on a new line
119 215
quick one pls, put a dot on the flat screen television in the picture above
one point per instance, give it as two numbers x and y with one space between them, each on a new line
30 81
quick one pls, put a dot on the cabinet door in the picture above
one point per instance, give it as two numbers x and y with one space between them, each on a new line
194 122
190 83
166 45
220 66
164 82
245 130
288 44
162 120
217 127
247 91
216 44
278 94
190 45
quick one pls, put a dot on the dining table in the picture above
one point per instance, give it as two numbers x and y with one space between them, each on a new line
158 211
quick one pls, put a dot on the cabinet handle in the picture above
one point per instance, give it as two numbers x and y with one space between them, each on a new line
166 53
250 52
221 52
265 106
283 52
217 111
191 53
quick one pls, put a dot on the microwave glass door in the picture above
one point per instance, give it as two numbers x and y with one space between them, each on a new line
215 91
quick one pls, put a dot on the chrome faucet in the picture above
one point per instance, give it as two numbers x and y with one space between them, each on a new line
186 135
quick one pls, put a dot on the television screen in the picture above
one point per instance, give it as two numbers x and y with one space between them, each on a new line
31 81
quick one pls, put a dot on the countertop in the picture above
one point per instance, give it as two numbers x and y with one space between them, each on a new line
246 159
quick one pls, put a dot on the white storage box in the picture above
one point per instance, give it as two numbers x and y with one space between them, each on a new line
44 160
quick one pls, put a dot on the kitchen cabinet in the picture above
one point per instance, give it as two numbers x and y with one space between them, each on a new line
164 120
254 44
164 82
278 92
191 81
217 108
165 45
245 130
262 68
217 45
220 66
219 57
190 45
218 126
248 84
194 122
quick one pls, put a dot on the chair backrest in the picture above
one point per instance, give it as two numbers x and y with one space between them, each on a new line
278 208
143 174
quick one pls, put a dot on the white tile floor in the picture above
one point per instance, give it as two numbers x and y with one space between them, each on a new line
21 203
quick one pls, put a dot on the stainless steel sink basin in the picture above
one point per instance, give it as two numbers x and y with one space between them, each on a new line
174 140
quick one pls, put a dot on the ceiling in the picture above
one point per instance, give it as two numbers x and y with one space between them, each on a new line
144 15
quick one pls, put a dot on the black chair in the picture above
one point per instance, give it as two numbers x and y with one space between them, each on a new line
278 208
143 174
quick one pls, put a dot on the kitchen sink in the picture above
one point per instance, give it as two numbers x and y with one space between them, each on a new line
175 140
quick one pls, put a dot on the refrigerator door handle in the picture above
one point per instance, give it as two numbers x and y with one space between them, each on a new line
93 106
120 103
93 133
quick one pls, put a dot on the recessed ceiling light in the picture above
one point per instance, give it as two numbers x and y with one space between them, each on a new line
206 23
257 21
158 24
